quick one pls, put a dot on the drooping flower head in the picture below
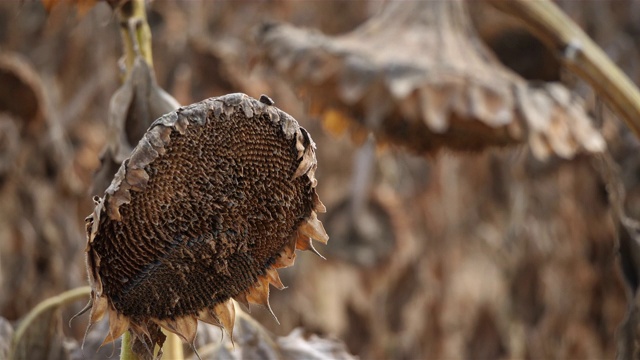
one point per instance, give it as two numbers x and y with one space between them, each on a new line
216 196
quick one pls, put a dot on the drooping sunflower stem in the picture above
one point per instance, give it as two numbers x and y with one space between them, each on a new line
135 32
136 39
580 55
126 352
45 306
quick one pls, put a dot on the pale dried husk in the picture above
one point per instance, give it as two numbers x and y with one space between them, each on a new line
418 76
163 253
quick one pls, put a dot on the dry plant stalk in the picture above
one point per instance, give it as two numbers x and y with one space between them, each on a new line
216 196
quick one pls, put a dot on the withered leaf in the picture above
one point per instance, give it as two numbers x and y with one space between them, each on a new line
133 107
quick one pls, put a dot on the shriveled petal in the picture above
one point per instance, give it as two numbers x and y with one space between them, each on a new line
259 294
98 309
118 324
226 313
313 228
274 279
304 243
286 258
185 327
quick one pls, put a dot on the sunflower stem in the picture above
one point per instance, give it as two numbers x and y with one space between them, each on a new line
47 305
126 350
136 40
580 55
135 33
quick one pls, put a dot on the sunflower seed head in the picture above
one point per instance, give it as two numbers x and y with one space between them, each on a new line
208 205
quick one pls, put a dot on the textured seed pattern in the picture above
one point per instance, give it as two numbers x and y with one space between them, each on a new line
219 206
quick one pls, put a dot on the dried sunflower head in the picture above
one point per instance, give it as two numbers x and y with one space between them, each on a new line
417 75
216 196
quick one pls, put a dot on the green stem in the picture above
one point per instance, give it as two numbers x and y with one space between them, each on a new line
46 305
135 32
126 351
580 55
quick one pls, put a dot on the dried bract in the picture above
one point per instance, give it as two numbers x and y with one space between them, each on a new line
214 198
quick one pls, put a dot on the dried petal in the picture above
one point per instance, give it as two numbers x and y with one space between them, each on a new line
312 227
118 324
304 243
226 313
259 295
286 258
98 309
242 299
274 279
185 327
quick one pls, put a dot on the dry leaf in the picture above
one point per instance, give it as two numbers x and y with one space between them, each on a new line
133 107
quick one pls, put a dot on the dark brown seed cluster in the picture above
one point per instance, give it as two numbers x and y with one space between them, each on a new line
214 198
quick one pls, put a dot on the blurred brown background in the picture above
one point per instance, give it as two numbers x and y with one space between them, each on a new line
483 256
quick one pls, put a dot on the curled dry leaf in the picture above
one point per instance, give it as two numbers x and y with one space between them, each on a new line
417 75
133 107
214 198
